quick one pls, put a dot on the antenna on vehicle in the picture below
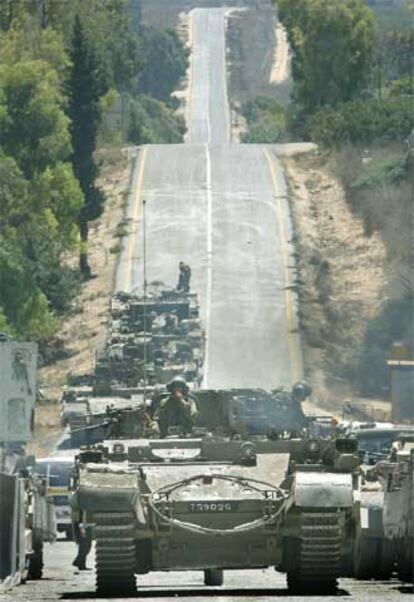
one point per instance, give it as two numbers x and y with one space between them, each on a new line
144 242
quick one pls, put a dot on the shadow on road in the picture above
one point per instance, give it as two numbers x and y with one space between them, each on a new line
202 593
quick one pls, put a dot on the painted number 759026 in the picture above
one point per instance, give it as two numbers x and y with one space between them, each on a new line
211 507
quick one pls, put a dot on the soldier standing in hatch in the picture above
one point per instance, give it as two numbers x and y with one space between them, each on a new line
178 409
184 277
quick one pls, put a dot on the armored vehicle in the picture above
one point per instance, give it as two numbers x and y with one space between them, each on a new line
213 503
152 339
26 514
397 477
242 412
375 556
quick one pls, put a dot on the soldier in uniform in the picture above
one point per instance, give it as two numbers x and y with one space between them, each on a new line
83 537
184 277
300 391
178 409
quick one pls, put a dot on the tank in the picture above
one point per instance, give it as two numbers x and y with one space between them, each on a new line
150 341
212 504
375 555
397 477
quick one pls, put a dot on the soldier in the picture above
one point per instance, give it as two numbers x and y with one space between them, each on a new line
300 391
178 409
171 322
184 277
83 537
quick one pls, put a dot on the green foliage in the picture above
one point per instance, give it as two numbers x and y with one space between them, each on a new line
266 121
86 86
34 128
398 17
39 196
402 87
332 42
363 122
164 60
152 122
394 323
379 189
63 64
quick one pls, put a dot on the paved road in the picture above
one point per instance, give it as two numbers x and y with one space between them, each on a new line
220 207
209 120
63 582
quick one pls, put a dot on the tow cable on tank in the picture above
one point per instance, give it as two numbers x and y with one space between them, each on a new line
270 517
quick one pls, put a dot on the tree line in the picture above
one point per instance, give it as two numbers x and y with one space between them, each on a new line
61 64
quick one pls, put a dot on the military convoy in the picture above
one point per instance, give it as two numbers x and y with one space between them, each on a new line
151 339
251 486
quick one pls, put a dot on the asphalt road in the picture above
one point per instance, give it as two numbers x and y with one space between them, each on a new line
208 119
222 208
63 582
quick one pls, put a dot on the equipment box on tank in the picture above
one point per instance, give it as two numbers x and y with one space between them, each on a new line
18 364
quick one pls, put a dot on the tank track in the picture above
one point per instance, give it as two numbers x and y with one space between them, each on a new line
319 563
115 558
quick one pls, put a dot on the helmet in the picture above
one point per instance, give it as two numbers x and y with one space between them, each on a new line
301 390
178 382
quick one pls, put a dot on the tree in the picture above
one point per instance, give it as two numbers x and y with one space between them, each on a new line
34 130
164 62
333 42
86 86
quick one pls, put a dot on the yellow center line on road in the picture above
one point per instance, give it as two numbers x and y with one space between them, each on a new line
135 214
291 339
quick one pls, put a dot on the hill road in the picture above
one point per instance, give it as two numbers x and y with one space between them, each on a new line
222 208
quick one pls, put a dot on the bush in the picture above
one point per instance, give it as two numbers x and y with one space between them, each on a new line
362 122
152 122
266 120
378 188
395 323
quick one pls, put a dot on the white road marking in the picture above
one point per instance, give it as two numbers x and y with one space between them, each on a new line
224 64
209 279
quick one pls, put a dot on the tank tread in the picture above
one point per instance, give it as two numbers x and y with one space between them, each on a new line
319 563
320 555
113 518
119 531
115 557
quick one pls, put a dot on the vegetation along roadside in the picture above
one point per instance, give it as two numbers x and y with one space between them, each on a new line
75 77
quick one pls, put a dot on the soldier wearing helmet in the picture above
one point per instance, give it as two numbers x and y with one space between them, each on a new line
301 391
184 277
178 409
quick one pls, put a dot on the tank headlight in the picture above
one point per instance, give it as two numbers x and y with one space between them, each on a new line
248 453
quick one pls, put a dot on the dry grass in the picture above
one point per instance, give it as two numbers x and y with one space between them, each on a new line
341 276
83 331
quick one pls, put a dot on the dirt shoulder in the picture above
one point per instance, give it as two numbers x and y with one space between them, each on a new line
83 331
341 278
